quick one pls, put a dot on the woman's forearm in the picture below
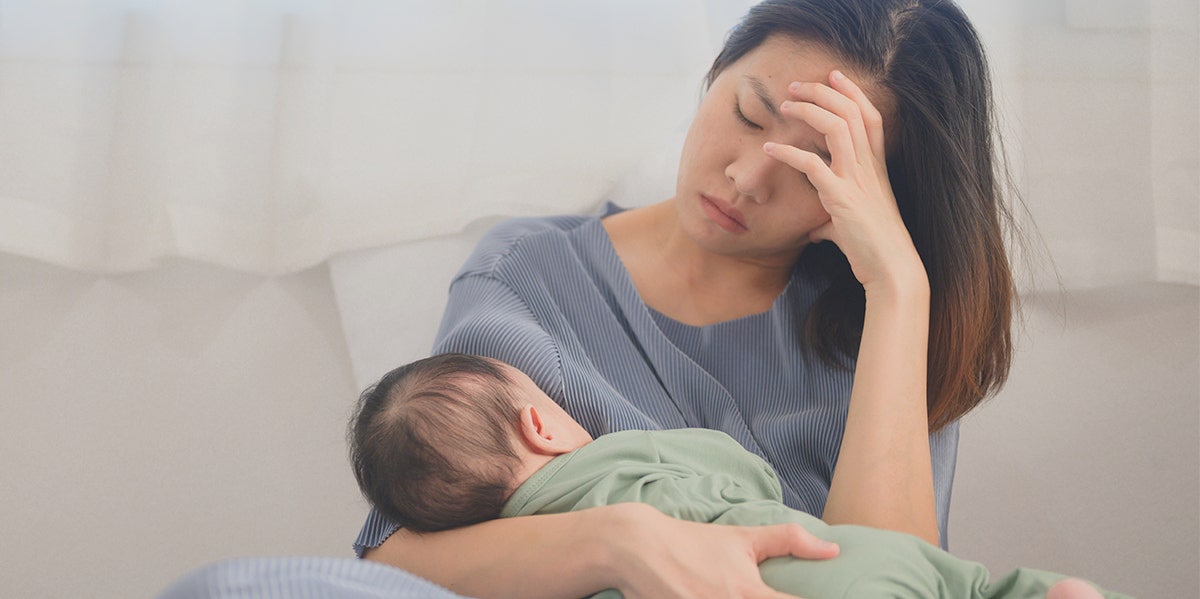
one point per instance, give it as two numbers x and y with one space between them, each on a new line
884 477
547 556
631 547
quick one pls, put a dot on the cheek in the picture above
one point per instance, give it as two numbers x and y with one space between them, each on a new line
694 146
709 135
802 211
797 192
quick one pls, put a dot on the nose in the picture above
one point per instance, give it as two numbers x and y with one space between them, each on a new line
751 174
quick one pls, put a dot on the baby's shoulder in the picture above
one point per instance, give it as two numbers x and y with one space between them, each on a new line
685 441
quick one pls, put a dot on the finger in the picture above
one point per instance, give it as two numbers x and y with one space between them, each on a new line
813 167
845 108
810 546
872 119
790 539
833 127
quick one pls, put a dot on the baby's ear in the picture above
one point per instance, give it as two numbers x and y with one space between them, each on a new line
539 434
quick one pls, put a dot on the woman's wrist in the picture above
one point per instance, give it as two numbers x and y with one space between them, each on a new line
613 533
896 272
908 287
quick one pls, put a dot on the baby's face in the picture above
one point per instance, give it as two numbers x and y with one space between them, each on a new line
527 392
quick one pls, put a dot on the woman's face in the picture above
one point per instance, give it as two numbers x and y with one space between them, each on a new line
732 198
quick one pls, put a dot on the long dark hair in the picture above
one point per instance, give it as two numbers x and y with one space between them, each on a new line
926 60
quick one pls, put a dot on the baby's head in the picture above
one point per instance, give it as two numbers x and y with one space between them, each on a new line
444 441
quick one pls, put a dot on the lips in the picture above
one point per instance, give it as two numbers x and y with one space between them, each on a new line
724 215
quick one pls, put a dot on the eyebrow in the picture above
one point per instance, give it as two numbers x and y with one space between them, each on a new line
764 96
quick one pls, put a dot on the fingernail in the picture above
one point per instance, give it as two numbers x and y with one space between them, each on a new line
769 146
838 76
795 86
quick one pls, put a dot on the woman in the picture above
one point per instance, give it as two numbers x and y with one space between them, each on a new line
835 234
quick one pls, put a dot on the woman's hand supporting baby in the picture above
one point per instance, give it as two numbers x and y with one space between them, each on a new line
673 558
631 547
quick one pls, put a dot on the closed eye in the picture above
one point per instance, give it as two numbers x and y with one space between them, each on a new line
741 116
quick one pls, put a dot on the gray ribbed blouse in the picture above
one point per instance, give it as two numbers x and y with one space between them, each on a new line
551 297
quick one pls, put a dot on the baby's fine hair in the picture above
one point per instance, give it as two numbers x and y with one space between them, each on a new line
431 442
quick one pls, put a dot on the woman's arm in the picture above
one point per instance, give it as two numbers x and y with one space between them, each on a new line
883 477
535 556
630 547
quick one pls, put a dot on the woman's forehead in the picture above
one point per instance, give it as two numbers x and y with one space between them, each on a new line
781 59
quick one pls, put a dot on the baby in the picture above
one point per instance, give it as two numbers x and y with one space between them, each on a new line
455 439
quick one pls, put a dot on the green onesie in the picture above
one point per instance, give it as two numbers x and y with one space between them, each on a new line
705 476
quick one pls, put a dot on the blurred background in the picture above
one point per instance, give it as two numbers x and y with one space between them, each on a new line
219 221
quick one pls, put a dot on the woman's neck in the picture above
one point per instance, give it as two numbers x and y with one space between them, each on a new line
683 280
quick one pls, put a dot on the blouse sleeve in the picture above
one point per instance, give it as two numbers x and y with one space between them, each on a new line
943 447
485 317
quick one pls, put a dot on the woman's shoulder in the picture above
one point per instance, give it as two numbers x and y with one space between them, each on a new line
515 241
511 231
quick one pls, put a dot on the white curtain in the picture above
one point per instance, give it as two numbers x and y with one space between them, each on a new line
1108 120
269 135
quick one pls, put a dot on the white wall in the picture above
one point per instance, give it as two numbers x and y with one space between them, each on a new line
1107 118
1088 461
154 422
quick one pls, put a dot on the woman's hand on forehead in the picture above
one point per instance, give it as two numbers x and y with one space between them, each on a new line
853 185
